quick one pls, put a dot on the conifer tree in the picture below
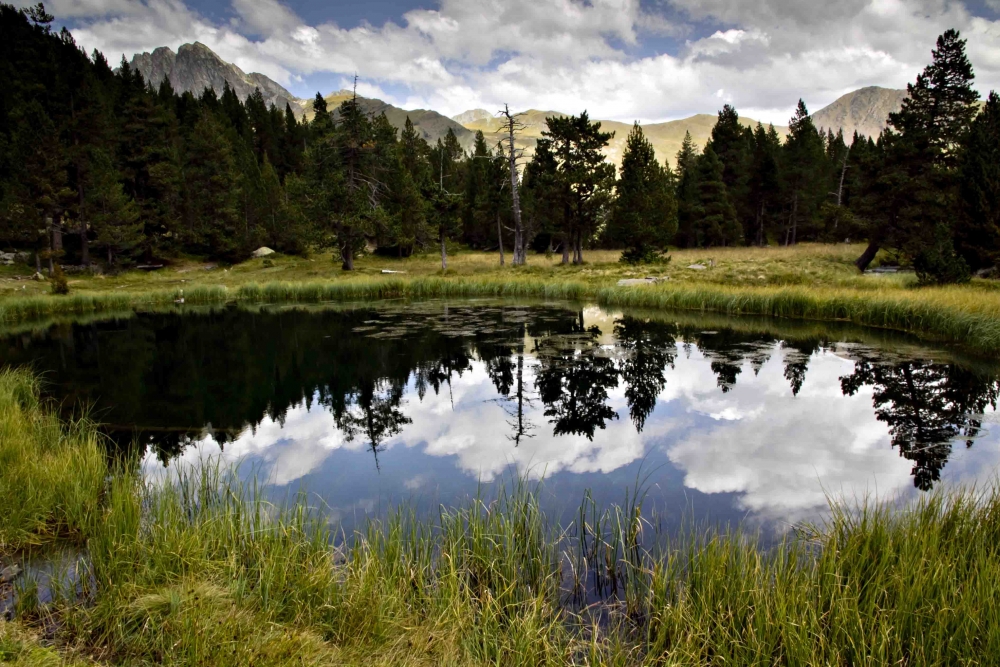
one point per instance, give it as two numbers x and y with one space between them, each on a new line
713 219
914 193
733 145
644 214
359 209
978 230
687 192
804 172
446 200
764 185
586 177
212 211
113 216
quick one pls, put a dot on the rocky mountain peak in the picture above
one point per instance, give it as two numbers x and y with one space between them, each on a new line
196 67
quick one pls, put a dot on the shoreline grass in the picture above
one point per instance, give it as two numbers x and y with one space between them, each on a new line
807 282
204 571
949 315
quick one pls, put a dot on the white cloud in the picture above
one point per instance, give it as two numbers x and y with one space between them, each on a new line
570 55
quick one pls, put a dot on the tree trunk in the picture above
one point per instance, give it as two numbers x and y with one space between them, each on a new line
795 219
111 258
867 256
565 249
84 245
500 240
760 225
843 172
520 257
444 251
347 254
55 243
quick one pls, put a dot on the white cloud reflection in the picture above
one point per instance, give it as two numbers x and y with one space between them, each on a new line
780 455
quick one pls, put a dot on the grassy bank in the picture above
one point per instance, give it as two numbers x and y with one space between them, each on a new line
51 474
807 282
204 572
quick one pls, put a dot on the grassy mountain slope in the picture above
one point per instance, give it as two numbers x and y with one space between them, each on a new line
864 110
665 137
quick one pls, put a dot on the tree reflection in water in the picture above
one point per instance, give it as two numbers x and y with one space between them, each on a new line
170 378
926 406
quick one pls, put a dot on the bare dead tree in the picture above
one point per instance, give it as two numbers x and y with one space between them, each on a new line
511 126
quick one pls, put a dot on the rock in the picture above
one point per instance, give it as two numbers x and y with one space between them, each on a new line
630 282
9 573
391 271
263 251
988 272
38 276
697 267
7 258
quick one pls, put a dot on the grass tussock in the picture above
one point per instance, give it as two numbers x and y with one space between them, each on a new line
201 570
51 475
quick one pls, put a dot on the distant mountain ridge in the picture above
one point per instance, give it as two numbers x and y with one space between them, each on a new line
195 67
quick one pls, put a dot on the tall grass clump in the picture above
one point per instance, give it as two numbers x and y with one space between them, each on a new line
201 569
876 585
51 475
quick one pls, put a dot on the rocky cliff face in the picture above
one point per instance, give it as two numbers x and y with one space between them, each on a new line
865 110
196 67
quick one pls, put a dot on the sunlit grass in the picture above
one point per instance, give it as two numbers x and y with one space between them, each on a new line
809 281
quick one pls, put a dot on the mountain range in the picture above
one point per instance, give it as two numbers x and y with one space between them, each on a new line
195 67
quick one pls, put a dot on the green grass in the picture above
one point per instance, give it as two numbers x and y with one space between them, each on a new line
812 282
203 571
51 475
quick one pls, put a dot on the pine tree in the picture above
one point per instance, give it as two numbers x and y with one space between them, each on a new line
734 144
687 192
764 185
804 172
359 209
644 215
914 192
446 200
586 177
713 219
212 211
978 230
414 186
113 216
477 218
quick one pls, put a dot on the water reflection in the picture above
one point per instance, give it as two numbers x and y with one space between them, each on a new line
364 402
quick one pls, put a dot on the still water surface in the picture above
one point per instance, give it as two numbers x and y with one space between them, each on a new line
367 406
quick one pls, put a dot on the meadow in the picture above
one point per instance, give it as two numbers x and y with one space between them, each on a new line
203 571
808 281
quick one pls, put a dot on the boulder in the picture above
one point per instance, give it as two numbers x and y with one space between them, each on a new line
697 267
263 251
630 282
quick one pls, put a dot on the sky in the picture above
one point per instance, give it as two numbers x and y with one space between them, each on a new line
647 60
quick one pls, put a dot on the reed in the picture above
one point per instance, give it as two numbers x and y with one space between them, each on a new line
201 569
51 475
954 315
